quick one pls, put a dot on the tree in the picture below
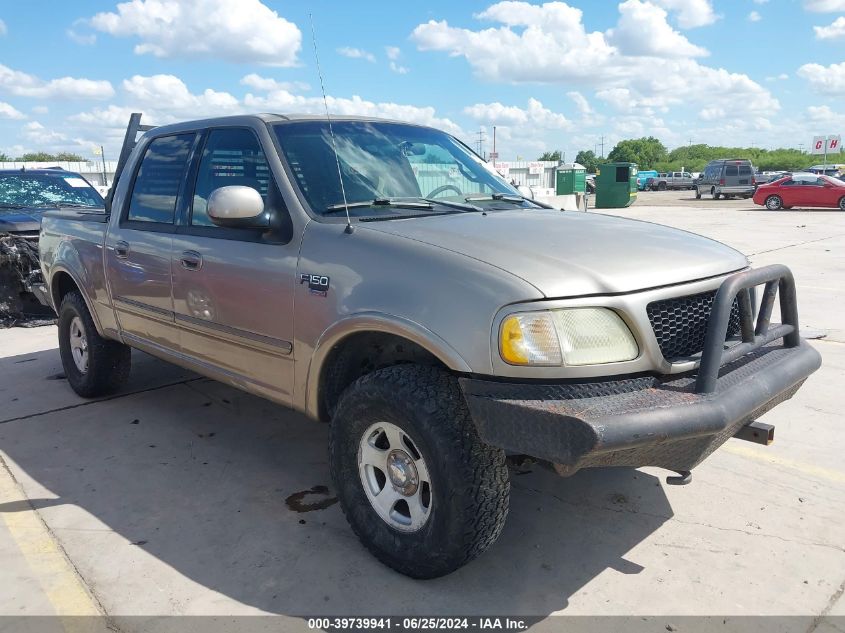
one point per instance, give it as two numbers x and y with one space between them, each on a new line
41 157
555 155
589 159
646 152
5 158
70 157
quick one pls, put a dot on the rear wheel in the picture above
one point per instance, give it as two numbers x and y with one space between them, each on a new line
93 365
842 203
661 186
774 203
417 484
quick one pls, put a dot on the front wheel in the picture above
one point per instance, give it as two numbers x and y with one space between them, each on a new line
417 484
94 366
774 203
716 195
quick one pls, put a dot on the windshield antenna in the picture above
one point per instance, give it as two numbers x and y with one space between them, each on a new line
349 228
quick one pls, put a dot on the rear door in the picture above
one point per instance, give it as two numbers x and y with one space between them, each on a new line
233 288
138 248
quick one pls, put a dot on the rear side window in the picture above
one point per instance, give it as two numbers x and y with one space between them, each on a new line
731 170
159 179
745 170
231 157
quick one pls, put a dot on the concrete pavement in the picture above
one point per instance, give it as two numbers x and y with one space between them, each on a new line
174 497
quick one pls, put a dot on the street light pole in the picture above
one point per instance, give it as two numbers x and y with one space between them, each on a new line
103 156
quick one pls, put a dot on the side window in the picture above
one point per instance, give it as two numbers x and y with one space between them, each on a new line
731 170
159 178
230 157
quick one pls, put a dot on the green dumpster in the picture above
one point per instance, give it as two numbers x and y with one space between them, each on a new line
616 185
570 178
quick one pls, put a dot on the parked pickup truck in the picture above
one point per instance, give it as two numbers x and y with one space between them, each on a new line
673 180
380 277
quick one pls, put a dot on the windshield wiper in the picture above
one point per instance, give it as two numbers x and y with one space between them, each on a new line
379 202
506 197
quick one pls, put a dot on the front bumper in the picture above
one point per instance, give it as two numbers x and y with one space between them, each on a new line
644 421
672 421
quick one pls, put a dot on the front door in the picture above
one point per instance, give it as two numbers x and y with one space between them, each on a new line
232 288
138 249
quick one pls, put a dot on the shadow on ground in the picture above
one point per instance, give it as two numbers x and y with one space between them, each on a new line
196 476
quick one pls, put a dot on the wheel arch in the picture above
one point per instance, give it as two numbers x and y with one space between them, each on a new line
62 281
352 337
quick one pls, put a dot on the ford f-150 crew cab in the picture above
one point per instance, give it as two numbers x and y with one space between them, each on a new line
381 277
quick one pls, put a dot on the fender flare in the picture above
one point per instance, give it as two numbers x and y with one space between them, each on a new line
374 322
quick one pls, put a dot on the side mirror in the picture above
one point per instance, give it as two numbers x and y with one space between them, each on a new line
237 207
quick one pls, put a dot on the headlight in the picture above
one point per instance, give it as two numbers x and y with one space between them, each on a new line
571 336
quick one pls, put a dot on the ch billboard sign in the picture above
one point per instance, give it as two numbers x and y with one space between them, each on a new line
830 144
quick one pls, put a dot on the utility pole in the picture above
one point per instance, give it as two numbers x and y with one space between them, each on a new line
602 146
480 141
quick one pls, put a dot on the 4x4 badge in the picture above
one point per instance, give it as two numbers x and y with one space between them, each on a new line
317 284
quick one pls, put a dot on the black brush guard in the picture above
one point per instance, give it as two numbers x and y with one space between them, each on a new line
672 421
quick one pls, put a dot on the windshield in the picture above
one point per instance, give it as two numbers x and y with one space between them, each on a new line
47 190
385 161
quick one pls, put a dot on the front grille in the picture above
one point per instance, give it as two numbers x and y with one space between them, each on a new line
680 324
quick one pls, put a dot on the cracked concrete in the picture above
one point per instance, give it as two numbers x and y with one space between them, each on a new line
169 498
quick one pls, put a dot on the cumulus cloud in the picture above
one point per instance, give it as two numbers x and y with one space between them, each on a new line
834 30
257 82
3 28
245 32
643 30
155 90
754 16
824 6
356 53
23 84
393 54
536 115
281 100
549 43
692 13
828 80
36 133
9 112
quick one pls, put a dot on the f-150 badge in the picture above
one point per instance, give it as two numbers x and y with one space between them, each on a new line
317 284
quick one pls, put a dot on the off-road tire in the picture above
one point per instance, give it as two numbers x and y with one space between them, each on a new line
774 203
470 486
108 361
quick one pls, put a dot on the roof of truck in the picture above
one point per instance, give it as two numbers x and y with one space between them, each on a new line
268 117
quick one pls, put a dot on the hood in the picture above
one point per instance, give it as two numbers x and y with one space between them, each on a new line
20 220
569 254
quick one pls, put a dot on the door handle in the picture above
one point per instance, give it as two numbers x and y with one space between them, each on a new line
121 249
191 260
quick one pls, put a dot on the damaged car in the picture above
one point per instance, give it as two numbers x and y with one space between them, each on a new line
25 194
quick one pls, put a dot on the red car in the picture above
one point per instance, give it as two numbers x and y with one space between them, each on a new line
802 190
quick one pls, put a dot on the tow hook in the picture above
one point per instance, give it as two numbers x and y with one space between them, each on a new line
683 478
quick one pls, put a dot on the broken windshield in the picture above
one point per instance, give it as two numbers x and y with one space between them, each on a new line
385 161
47 190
